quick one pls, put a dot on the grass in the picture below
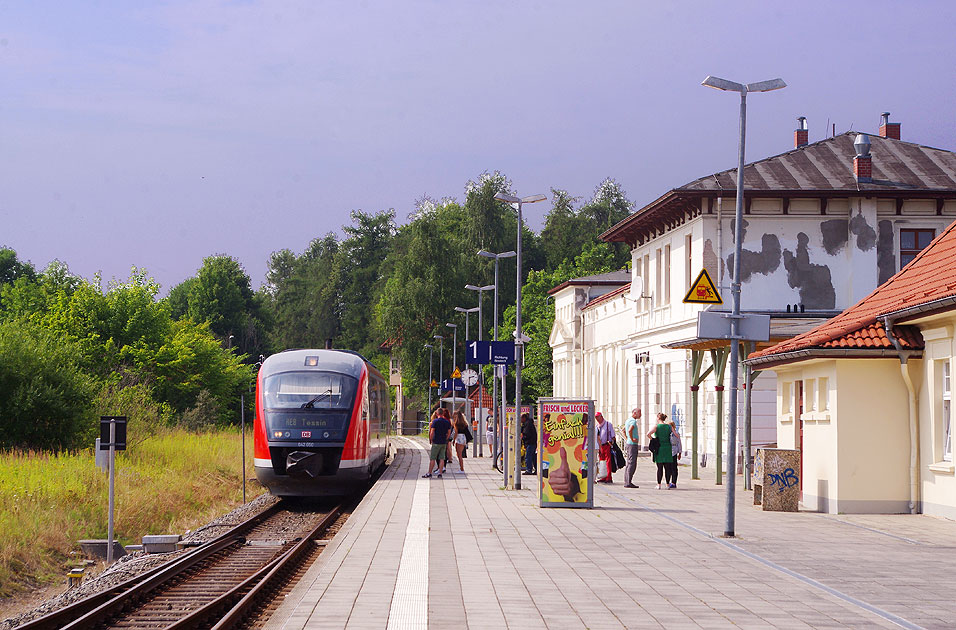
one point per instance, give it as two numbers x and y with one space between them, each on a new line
167 483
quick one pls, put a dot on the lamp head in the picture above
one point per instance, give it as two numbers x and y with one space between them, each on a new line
502 196
452 325
428 345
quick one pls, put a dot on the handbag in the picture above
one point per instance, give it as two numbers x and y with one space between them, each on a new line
654 445
602 469
617 456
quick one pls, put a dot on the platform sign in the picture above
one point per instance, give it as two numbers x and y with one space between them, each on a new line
703 291
490 352
456 373
716 325
452 384
119 422
564 455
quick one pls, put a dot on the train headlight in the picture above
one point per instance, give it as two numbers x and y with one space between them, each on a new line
277 434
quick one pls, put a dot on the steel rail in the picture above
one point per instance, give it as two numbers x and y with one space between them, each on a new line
69 614
233 612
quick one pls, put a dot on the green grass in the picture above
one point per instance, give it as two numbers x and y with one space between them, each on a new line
166 483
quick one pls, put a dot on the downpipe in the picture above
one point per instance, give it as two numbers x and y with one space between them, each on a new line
913 416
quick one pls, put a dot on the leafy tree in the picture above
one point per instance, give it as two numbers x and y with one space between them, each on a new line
301 296
222 295
45 399
178 298
11 268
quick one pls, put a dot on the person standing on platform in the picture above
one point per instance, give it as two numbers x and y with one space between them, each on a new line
529 439
451 436
438 432
461 438
664 454
676 448
490 436
605 434
633 447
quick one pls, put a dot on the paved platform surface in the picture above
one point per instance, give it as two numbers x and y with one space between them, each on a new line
460 552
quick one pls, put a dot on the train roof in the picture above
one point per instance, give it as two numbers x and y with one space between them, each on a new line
344 361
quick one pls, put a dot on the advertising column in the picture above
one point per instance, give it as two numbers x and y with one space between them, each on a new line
566 453
513 424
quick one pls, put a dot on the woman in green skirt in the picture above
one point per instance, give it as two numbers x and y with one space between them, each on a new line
663 457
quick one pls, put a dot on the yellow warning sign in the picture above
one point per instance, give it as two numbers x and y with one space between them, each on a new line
703 291
456 373
434 384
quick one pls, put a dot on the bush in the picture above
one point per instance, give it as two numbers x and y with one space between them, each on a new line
45 399
203 415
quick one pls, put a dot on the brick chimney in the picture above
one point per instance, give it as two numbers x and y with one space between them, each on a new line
888 129
801 135
863 162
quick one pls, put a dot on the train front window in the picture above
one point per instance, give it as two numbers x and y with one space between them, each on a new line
309 390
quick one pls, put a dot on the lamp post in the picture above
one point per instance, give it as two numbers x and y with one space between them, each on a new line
454 352
731 86
441 356
519 336
431 353
497 409
467 312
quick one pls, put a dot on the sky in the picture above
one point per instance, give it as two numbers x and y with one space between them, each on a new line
154 134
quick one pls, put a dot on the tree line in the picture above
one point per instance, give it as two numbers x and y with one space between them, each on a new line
71 349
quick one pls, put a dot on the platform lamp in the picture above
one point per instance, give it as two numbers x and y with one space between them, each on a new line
742 89
498 421
467 312
454 355
441 356
520 338
431 353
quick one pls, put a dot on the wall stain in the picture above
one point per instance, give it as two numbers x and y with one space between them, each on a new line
835 235
710 260
813 281
766 261
865 235
885 256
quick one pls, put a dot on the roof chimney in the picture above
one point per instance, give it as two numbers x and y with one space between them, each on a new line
888 129
863 162
801 136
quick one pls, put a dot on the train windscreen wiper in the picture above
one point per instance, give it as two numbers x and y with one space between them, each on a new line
311 403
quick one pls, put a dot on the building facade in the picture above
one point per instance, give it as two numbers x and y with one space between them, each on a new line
824 225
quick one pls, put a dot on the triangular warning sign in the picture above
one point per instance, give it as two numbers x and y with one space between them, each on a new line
434 384
703 291
456 373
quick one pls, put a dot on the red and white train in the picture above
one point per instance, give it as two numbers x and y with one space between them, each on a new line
322 422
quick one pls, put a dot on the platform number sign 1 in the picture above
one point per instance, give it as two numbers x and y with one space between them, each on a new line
490 352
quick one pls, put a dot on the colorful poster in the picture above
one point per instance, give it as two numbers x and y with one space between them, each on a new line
565 453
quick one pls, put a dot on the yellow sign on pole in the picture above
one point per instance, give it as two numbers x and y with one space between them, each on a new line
703 291
456 373
434 384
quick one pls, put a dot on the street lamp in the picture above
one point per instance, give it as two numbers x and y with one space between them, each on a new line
497 409
519 336
454 349
441 356
431 353
467 312
481 400
731 86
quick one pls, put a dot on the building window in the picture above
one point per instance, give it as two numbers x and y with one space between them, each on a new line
786 397
947 416
809 391
667 274
688 262
658 277
823 394
912 242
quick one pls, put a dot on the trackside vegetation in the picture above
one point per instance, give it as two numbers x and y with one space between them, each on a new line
170 482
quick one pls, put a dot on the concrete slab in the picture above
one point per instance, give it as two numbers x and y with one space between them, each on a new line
461 552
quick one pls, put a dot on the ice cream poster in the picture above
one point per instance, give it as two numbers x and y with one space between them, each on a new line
565 455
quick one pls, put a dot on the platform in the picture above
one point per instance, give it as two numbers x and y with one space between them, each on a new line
460 552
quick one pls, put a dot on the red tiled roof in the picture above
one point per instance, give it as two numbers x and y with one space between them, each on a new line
607 296
929 277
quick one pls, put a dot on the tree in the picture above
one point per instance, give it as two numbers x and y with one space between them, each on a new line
11 268
222 295
178 298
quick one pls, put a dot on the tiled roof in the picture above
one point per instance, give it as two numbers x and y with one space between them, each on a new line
929 277
828 165
601 279
822 169
608 296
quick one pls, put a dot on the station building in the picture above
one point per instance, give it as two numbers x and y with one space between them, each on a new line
824 224
867 396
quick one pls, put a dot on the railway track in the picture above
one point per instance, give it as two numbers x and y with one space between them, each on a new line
225 583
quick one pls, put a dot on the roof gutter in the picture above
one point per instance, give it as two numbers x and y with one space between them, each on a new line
904 356
823 353
910 311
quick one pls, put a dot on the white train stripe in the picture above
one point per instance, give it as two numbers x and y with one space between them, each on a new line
262 463
354 463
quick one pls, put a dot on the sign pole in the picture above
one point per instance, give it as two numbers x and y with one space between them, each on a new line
242 414
109 526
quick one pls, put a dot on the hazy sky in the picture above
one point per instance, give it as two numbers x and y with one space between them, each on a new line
157 133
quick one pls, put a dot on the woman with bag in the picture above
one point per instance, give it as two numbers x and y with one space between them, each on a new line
670 473
605 436
664 455
461 437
